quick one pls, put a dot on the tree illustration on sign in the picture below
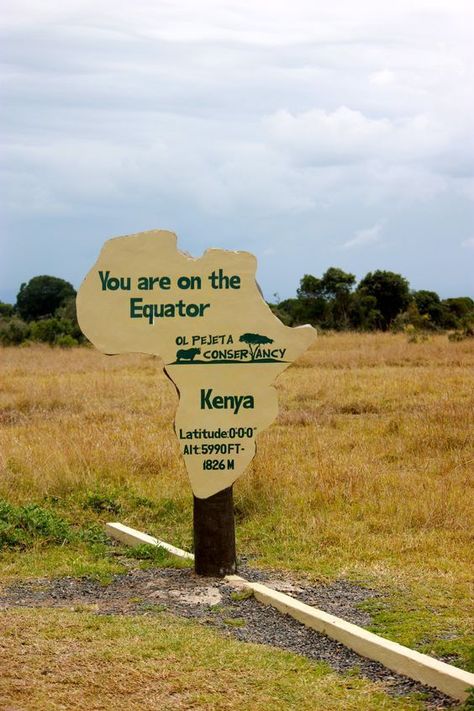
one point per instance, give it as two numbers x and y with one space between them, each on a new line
253 340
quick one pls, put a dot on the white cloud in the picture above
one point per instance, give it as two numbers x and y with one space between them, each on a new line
346 135
321 137
365 237
468 243
384 77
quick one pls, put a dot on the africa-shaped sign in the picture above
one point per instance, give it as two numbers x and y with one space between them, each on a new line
220 343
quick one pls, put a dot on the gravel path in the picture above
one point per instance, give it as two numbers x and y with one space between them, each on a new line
212 602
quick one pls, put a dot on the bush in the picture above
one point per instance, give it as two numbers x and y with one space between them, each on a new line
415 335
466 329
54 331
68 313
46 330
65 341
412 322
7 310
13 331
99 502
20 526
429 304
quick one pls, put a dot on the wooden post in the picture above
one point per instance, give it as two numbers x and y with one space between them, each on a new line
214 535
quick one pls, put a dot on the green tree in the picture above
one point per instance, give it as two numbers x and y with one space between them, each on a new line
327 300
460 306
335 283
332 284
68 315
364 314
337 288
294 312
41 296
429 304
391 292
253 340
310 287
456 311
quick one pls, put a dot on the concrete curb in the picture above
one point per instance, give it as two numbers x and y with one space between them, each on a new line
134 538
449 679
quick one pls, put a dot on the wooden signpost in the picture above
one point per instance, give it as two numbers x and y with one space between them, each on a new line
222 347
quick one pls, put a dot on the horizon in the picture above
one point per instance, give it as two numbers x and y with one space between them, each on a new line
274 294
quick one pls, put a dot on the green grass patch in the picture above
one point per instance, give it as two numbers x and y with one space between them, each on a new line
96 661
154 556
20 526
240 595
77 560
234 621
152 607
169 518
430 630
469 703
102 502
37 541
65 536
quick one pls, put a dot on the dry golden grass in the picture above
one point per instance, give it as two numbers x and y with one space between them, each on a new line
367 472
74 418
372 452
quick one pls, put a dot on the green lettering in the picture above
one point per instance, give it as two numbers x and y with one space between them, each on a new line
104 279
135 308
206 399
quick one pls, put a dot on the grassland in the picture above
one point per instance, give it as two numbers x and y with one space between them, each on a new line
367 474
84 661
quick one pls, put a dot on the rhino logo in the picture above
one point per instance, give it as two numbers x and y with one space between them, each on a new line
187 354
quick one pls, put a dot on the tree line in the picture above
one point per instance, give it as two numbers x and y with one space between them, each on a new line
45 308
382 300
45 311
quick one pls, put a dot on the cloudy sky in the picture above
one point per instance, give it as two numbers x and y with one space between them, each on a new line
311 133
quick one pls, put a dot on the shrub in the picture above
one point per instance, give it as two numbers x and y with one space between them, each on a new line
101 502
46 330
7 310
412 322
13 331
54 331
466 329
65 341
22 525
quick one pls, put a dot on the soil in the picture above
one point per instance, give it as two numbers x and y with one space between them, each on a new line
213 602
